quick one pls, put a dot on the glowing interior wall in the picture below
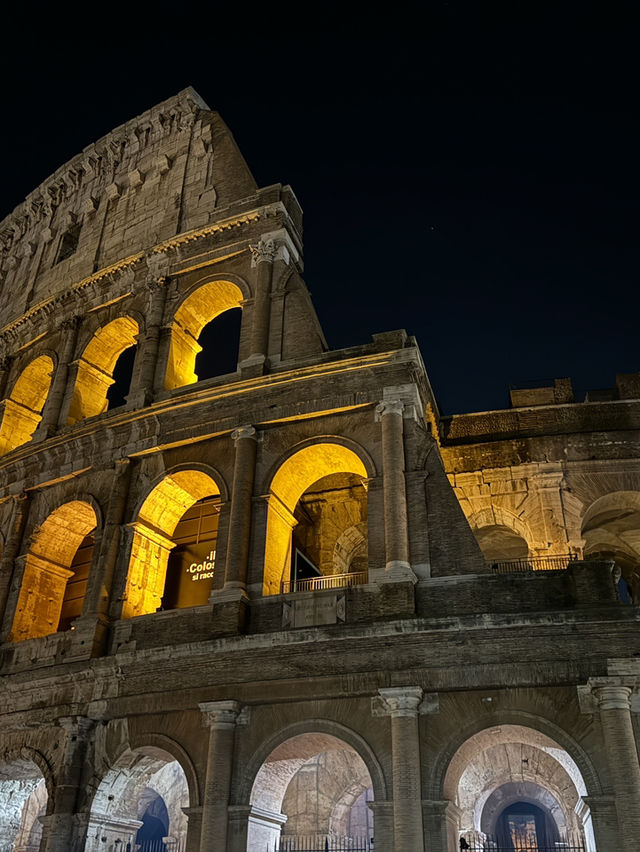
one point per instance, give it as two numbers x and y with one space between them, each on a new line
199 309
152 543
47 569
23 407
292 479
95 368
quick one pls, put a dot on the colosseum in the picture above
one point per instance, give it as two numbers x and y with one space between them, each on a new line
259 595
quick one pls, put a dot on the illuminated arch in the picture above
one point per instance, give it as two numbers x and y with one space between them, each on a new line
26 785
156 522
96 366
48 569
199 308
23 407
345 767
300 470
611 530
511 761
120 796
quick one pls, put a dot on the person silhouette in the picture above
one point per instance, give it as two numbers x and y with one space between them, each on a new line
464 844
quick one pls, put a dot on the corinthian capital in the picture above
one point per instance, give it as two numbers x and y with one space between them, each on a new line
264 251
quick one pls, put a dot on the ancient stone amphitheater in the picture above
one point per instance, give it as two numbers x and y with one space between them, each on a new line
259 595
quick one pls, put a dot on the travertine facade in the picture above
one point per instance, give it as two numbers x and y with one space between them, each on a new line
250 605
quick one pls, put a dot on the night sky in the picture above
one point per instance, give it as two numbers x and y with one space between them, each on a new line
469 175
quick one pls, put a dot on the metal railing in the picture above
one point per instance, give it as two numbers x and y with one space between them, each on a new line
331 581
533 563
491 846
323 843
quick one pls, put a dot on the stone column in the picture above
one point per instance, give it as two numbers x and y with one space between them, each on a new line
263 255
194 828
382 824
5 370
235 576
63 829
401 703
221 718
147 364
11 550
396 535
614 705
52 410
441 825
99 585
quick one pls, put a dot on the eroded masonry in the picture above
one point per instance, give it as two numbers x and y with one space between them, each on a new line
269 598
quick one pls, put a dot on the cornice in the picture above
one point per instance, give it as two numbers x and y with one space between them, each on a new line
40 312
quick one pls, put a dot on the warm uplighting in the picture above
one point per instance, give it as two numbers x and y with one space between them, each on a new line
199 309
48 569
95 368
152 542
292 479
23 407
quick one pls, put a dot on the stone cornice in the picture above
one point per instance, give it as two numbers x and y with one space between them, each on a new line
40 312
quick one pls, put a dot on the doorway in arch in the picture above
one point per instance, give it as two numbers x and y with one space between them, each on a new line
312 792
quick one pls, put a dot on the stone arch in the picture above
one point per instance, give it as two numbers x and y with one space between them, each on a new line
495 526
525 720
310 726
351 543
305 464
532 749
95 367
611 530
178 752
120 794
48 569
23 406
304 776
26 793
205 301
156 520
488 810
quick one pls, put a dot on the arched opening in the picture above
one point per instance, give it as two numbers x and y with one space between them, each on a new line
611 530
317 521
512 782
313 789
220 341
96 368
197 311
140 802
56 572
174 545
23 800
500 543
23 407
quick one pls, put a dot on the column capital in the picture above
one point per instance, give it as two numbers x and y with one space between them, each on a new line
400 701
244 432
613 697
264 251
220 715
389 406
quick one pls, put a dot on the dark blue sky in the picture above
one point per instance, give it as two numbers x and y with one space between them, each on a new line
470 175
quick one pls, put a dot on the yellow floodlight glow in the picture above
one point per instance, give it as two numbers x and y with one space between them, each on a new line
200 308
157 520
95 367
292 479
47 569
23 407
